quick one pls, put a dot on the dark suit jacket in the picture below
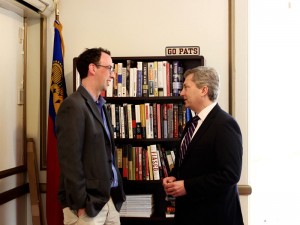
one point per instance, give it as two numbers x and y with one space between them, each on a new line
84 151
211 170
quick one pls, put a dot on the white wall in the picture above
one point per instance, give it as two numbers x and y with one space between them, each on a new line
11 114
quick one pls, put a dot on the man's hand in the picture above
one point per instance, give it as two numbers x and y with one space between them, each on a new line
173 187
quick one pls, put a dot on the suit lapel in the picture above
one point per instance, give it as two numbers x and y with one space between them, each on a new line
91 104
202 129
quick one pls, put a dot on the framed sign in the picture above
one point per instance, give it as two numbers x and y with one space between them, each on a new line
182 50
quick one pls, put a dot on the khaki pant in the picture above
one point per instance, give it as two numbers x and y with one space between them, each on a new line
107 216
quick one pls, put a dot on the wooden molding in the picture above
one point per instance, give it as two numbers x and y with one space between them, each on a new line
12 171
243 189
14 193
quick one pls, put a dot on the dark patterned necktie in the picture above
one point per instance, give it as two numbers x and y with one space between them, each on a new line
187 138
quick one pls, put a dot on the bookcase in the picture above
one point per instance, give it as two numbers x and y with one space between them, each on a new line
144 186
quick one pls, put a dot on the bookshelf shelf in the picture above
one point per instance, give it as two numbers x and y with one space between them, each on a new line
138 142
141 100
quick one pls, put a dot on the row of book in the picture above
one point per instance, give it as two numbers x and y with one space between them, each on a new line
146 79
148 120
137 206
152 162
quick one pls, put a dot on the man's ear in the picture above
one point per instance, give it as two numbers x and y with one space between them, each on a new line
92 68
204 90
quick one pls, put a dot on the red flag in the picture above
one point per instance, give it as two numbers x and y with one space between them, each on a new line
58 93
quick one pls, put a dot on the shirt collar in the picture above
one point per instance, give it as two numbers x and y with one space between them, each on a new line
203 114
101 101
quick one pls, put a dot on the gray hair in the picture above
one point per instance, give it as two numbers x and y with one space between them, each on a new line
206 76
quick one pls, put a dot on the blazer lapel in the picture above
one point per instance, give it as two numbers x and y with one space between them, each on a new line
202 129
90 102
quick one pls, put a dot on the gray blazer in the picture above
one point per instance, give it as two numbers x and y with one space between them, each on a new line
84 152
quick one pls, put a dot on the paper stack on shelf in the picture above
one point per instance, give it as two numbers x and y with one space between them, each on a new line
137 206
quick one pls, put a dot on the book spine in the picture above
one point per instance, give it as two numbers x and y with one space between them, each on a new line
139 85
125 162
133 121
155 78
150 163
134 86
170 120
155 166
120 159
145 80
140 163
154 106
143 120
158 115
124 81
138 122
165 121
147 117
175 120
122 122
113 118
120 66
180 119
151 79
117 121
129 119
162 162
129 148
128 84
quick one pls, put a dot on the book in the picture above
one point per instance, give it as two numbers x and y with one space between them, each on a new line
154 107
128 83
117 121
124 82
119 75
115 83
165 159
130 162
125 161
133 119
110 89
129 120
113 118
180 119
164 171
155 166
158 123
125 122
139 83
170 159
150 163
138 122
145 80
175 121
143 120
120 159
168 80
155 78
165 121
151 79
160 81
147 118
164 78
170 120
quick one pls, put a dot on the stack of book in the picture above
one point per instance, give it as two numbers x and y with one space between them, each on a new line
137 206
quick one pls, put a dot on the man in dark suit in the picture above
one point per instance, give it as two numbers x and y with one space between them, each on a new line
208 167
91 190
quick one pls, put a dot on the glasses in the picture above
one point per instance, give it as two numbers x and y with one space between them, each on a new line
110 68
